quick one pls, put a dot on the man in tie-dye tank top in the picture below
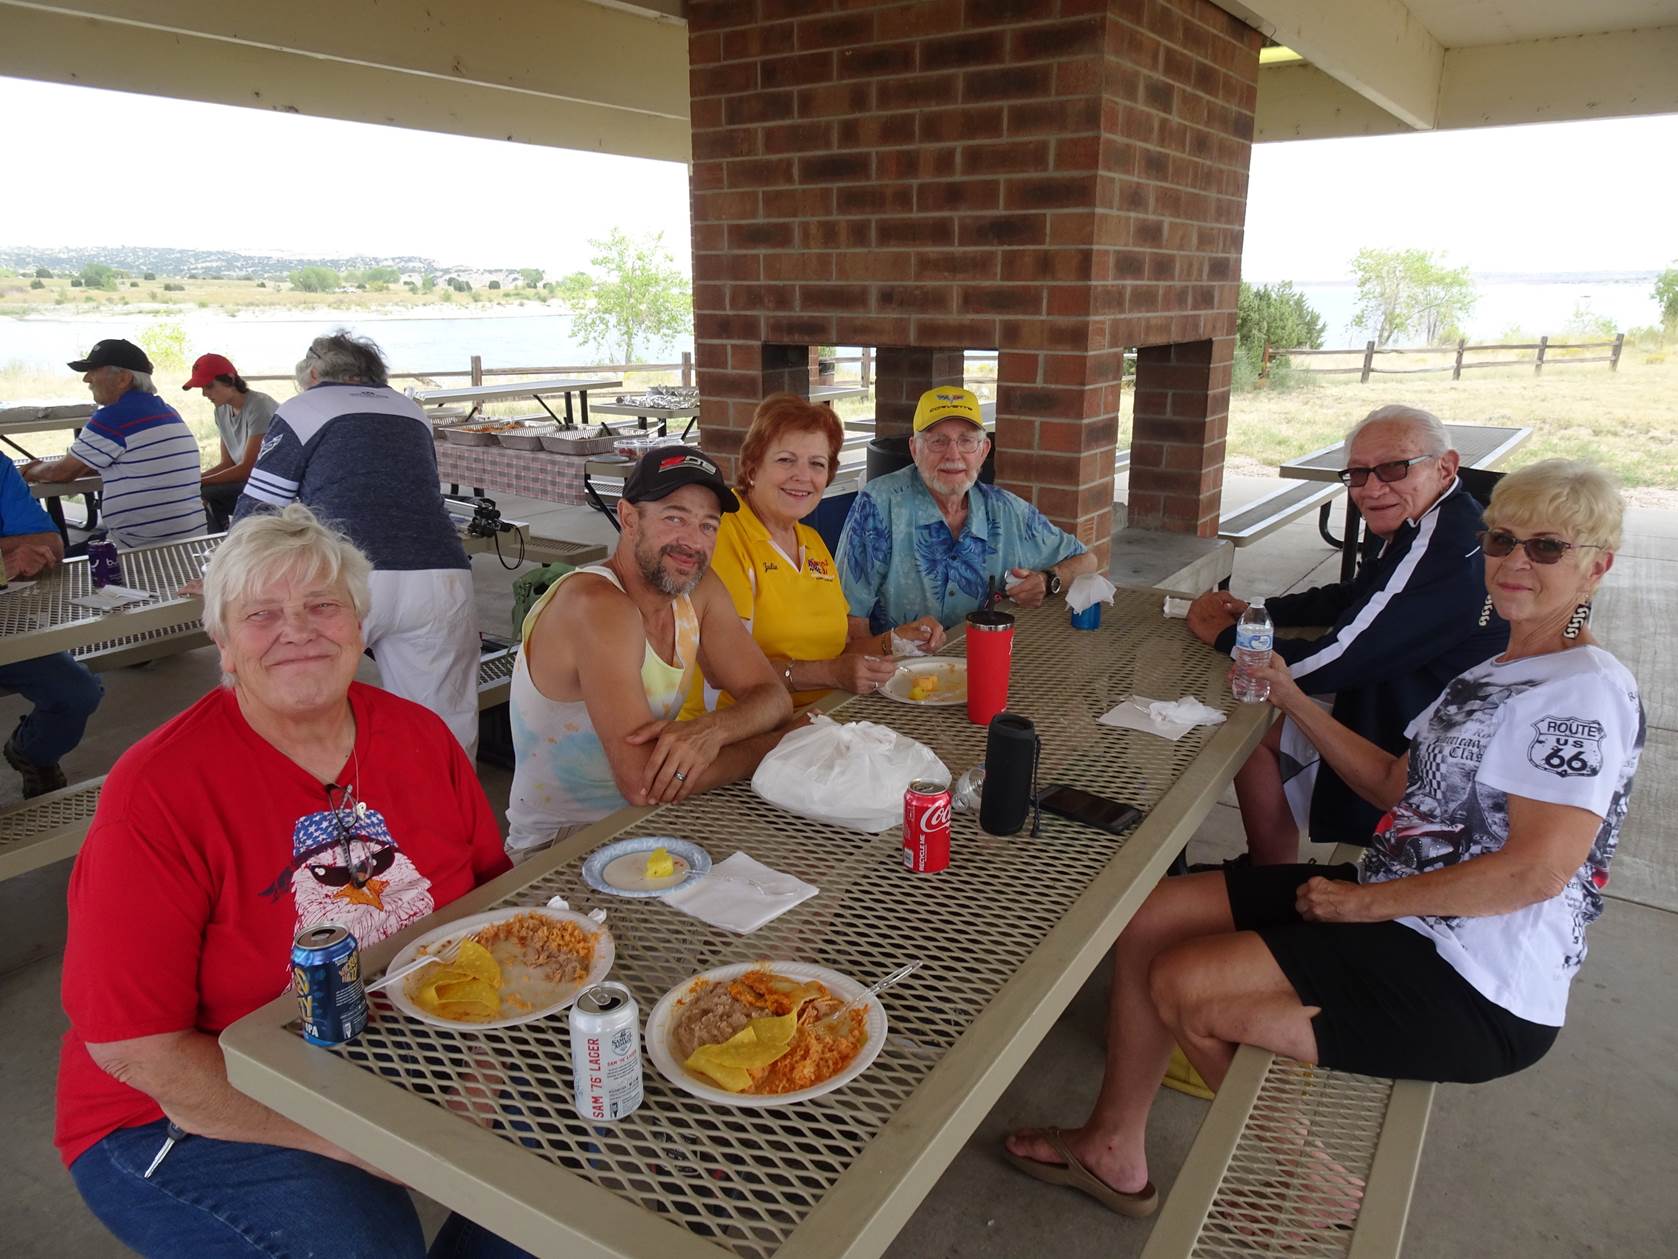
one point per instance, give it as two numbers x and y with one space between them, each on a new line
608 658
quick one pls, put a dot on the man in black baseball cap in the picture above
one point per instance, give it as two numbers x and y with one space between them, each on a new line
613 651
114 352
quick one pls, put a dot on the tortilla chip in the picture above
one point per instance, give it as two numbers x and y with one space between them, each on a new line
477 961
425 994
753 1047
475 991
467 1011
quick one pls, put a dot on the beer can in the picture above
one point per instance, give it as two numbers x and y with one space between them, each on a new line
326 975
104 565
606 1052
926 826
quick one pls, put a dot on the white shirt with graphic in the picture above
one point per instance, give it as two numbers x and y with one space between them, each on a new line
1566 728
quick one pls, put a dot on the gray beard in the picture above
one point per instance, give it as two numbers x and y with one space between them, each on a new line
652 571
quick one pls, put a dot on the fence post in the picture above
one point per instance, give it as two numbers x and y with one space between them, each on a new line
477 369
687 369
1614 355
1456 372
1538 363
1368 362
867 365
1264 362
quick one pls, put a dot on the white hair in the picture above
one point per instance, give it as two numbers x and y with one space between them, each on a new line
1426 426
269 546
344 357
141 381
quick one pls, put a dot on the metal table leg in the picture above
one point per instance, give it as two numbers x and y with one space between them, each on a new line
1349 543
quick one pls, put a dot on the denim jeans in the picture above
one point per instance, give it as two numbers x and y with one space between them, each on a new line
64 694
220 498
210 1199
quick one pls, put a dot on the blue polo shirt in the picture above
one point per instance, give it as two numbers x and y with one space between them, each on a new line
898 560
19 512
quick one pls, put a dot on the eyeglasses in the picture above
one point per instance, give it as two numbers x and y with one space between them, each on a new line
1392 470
1500 542
346 812
967 443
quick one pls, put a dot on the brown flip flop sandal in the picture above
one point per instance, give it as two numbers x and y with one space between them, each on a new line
1074 1175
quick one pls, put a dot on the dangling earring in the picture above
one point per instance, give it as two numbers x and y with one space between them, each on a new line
1486 613
1580 618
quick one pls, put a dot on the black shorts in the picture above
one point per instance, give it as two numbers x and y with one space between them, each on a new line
1389 1004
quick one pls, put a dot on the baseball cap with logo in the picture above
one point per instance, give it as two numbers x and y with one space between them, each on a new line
114 353
947 402
206 368
665 469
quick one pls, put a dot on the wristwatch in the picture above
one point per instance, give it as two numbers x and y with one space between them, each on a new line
1051 582
786 676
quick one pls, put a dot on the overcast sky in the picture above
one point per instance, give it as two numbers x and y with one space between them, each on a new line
1561 197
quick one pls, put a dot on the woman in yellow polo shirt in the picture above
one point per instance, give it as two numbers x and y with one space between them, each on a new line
779 571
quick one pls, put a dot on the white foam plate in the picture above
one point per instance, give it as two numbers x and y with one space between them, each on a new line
842 986
617 869
952 681
545 997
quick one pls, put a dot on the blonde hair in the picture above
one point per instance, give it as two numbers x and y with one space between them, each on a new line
272 545
1566 496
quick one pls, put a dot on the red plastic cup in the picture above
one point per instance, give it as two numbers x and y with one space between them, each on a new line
990 655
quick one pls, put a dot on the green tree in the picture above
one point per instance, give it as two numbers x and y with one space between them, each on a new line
495 284
1410 291
96 275
315 279
1666 293
43 273
164 344
150 275
37 283
636 297
1276 315
532 276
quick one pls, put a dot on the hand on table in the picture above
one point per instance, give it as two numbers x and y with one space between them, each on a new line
193 587
1212 613
862 673
924 631
682 750
1027 587
1332 900
29 559
27 470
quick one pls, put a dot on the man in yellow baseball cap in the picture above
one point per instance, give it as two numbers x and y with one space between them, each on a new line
933 540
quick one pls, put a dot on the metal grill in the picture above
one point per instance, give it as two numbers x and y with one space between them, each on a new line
43 815
747 1187
1287 1189
497 668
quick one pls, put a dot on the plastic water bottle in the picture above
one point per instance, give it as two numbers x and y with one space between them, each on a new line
1254 637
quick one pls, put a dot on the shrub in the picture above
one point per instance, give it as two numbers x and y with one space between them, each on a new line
495 284
315 280
41 273
75 281
165 343
37 284
150 275
133 284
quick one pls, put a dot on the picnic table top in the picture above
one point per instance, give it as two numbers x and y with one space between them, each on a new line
519 389
29 415
482 1120
1480 445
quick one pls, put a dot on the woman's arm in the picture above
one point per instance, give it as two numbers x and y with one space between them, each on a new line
1368 769
1546 846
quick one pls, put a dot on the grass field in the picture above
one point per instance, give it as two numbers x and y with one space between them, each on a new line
56 296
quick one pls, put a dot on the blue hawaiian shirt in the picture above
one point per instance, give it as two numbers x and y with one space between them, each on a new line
898 560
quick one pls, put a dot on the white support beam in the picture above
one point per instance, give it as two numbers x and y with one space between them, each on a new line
1618 74
1378 48
568 73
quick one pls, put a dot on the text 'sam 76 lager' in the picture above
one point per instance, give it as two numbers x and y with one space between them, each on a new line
326 974
606 1052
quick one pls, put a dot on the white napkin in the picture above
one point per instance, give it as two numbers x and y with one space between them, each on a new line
901 647
1169 719
1089 588
15 587
741 894
110 598
1177 607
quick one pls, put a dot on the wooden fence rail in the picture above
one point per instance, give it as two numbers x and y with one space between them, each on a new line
1541 347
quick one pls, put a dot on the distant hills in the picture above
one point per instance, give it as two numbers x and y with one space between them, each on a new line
208 263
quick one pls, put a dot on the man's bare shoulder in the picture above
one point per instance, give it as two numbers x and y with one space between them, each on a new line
592 605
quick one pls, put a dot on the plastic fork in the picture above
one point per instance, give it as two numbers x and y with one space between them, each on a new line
875 989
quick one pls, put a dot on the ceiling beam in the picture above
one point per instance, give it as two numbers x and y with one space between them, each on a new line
1378 48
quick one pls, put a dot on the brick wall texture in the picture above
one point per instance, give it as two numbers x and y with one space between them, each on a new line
1055 179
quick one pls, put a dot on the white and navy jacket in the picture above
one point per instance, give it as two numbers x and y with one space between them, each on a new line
361 457
1399 631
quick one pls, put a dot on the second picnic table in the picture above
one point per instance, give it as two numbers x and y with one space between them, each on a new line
537 390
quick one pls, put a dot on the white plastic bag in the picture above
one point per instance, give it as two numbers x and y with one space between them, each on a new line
851 775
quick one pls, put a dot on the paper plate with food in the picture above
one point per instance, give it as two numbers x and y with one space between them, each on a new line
933 681
764 1033
649 865
502 967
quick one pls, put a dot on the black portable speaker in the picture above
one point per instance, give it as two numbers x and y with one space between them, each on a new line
1011 750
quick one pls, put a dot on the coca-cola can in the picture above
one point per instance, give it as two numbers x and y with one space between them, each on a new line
926 826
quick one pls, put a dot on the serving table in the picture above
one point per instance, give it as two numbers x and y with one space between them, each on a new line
482 1120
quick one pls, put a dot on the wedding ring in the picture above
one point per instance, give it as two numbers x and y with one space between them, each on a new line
681 777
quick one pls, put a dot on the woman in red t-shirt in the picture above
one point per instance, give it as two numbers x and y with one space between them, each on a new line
289 797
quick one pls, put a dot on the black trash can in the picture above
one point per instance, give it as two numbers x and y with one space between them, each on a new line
888 454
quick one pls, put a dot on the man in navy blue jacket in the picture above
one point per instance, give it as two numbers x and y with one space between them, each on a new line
1401 629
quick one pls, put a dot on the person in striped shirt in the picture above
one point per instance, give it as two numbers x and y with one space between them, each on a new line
140 448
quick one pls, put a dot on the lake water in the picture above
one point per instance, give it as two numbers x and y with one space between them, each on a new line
262 343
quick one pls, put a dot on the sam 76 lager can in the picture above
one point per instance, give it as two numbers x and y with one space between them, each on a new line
926 826
326 975
104 565
606 1052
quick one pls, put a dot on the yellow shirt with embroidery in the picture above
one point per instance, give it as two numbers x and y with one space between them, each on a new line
793 609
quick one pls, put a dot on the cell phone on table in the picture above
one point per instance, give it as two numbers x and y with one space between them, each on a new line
1078 805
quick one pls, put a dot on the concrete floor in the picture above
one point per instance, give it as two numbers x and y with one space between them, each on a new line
1573 1157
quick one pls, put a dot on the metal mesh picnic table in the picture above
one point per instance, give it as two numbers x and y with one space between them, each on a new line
482 1120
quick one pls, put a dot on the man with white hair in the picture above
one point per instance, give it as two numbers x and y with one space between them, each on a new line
933 540
360 456
1404 626
140 448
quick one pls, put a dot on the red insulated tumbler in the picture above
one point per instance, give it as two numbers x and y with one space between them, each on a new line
990 654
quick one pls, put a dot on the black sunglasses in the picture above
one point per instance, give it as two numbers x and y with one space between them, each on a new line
1500 542
345 814
1392 470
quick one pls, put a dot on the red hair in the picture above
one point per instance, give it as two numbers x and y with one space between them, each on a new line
783 413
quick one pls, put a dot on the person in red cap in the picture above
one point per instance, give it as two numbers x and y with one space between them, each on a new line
242 416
